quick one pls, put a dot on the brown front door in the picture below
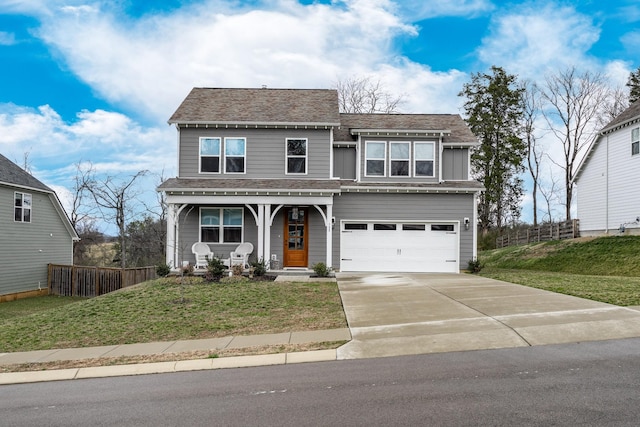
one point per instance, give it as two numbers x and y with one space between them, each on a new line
296 241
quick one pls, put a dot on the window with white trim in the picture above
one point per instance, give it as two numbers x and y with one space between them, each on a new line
235 150
221 225
423 159
399 158
635 141
210 155
375 158
22 207
296 156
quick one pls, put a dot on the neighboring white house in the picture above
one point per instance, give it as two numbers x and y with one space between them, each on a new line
609 176
34 232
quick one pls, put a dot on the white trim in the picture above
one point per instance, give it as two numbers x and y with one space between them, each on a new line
474 227
221 226
384 160
200 155
30 209
243 200
416 159
359 159
244 155
306 156
408 160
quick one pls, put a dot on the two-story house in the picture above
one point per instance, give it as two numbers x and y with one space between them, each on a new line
607 177
284 170
34 232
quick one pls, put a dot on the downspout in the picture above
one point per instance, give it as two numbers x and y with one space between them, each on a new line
606 189
178 151
441 152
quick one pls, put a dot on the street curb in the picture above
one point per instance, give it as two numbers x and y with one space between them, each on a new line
168 367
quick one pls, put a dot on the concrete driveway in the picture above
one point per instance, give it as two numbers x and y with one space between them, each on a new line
397 314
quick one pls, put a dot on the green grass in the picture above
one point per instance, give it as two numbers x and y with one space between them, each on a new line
604 269
604 256
27 306
164 310
623 291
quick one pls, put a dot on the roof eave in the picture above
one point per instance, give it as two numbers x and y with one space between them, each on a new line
234 124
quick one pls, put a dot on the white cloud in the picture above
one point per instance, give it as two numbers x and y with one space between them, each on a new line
417 10
7 39
531 40
631 41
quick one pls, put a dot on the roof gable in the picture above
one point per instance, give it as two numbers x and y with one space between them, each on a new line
630 114
258 107
11 173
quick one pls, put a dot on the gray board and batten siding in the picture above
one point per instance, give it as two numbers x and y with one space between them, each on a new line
455 164
27 247
405 207
265 152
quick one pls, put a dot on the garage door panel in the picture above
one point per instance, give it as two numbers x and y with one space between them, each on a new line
417 248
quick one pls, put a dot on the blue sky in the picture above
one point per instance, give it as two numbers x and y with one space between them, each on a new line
97 80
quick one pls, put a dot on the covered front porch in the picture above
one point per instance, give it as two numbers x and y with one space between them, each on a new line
288 228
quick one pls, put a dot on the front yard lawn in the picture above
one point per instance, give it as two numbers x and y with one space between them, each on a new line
618 290
165 310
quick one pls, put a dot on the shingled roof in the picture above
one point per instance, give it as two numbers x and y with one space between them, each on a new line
259 107
10 173
633 112
459 131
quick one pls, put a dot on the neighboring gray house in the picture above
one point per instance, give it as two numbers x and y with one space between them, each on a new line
608 177
284 170
35 231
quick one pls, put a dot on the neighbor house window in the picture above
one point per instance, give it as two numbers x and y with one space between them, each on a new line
375 158
221 225
399 158
234 155
423 158
22 207
296 156
635 141
210 155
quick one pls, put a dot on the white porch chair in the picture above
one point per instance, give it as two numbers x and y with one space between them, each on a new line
240 256
203 254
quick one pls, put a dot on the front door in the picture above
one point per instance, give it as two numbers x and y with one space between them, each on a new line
296 237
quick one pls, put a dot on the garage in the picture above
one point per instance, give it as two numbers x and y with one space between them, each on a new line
407 246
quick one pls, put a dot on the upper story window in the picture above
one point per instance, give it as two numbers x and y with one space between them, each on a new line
423 155
221 225
375 158
210 155
399 158
235 151
22 207
635 141
296 156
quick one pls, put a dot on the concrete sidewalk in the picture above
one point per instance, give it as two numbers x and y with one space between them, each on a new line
401 314
154 348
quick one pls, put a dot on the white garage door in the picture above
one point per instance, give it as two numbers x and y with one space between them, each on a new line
399 246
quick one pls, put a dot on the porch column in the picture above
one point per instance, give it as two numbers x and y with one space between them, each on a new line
329 222
170 250
261 229
267 234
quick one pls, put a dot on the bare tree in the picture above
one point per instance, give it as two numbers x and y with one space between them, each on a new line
617 101
365 95
573 108
531 109
549 190
112 195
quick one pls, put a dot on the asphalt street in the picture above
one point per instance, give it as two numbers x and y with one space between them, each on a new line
594 383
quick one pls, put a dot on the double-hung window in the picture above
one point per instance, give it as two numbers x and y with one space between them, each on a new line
635 141
235 150
423 155
296 156
221 225
375 158
399 158
22 207
210 155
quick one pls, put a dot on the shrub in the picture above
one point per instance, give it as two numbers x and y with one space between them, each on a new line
215 268
163 270
474 266
259 267
321 269
237 269
187 270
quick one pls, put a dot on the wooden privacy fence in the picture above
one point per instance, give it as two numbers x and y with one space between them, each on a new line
541 233
72 280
